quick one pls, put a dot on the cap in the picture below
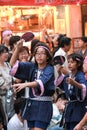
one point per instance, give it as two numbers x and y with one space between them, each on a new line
28 36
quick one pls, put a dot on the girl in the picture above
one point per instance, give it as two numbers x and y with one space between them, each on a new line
6 91
38 110
74 86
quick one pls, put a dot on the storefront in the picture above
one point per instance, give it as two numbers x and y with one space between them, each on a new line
58 16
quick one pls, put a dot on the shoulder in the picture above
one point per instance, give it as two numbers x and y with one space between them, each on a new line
80 76
14 123
80 73
13 119
60 52
49 68
26 64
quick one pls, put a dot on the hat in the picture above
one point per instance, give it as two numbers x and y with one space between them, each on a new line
14 39
58 60
6 32
84 39
28 36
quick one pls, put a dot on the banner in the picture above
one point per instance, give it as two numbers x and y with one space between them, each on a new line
40 2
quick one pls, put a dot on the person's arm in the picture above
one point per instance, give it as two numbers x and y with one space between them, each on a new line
48 37
62 70
33 84
15 54
81 123
73 82
20 86
45 33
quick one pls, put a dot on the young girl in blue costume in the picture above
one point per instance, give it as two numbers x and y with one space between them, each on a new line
74 86
40 77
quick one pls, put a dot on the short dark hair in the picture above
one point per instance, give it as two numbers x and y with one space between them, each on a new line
65 41
23 48
13 40
59 38
3 49
18 105
84 39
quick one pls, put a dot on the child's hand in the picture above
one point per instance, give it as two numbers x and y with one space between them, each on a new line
69 80
62 70
18 87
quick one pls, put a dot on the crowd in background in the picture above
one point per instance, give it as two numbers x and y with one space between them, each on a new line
30 77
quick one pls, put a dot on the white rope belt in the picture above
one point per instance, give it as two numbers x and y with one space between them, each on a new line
44 98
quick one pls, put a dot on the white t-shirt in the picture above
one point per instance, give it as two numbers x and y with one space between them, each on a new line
56 117
60 52
15 124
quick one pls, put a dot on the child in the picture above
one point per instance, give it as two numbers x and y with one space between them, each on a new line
16 122
38 110
58 108
74 86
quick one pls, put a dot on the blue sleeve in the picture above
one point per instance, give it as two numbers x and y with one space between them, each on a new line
48 75
80 78
24 70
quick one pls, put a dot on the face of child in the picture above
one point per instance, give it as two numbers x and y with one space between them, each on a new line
23 56
61 105
72 65
41 56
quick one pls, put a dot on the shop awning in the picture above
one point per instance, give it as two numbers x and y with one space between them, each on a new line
40 2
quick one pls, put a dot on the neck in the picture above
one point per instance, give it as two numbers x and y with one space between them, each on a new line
74 72
19 117
41 66
7 45
2 64
64 50
83 49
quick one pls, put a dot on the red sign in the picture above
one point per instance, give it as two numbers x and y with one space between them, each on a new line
40 2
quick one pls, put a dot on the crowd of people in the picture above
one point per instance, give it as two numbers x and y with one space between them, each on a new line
43 87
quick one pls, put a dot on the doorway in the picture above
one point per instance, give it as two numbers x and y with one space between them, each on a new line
84 19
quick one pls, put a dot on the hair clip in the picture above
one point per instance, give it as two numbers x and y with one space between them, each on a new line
78 59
